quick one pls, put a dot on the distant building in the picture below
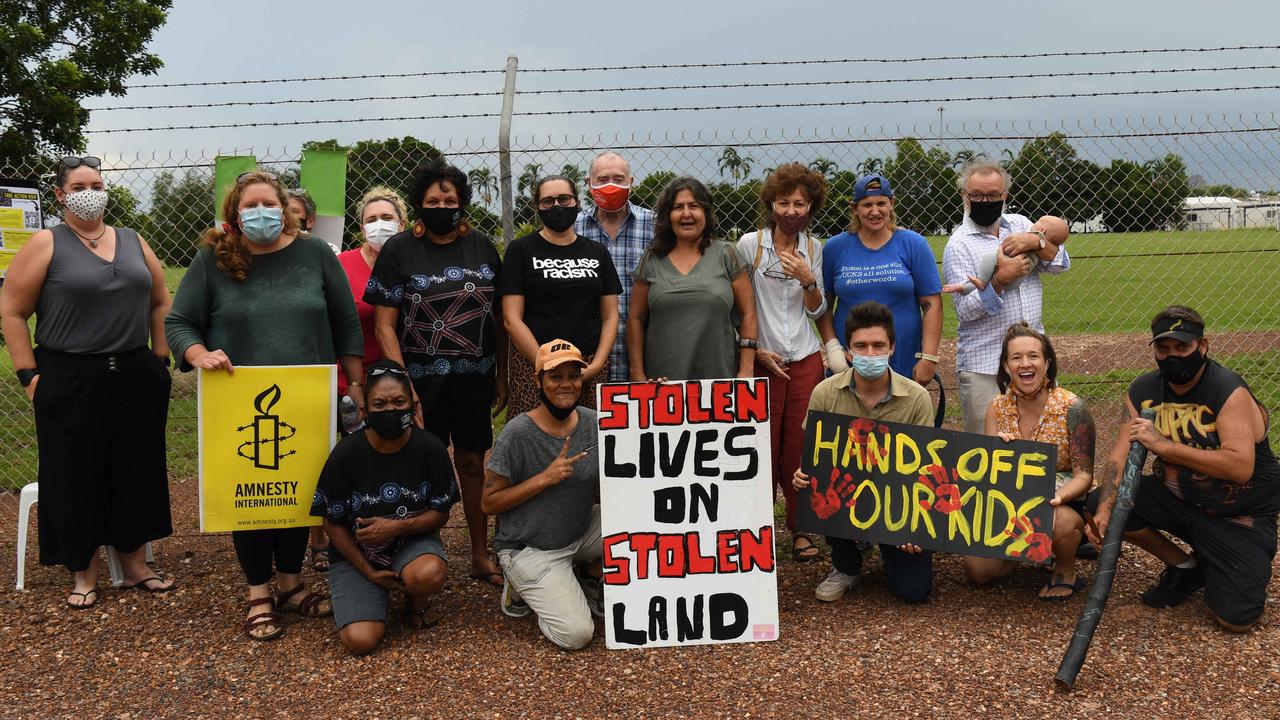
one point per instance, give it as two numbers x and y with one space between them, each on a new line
1227 213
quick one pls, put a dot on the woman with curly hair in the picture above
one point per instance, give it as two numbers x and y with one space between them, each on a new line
786 276
257 294
687 286
436 311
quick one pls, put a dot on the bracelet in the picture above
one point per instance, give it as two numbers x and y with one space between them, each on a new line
927 356
355 384
748 343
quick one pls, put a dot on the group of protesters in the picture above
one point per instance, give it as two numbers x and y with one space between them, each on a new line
436 332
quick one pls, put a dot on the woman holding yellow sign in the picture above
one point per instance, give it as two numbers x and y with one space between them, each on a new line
259 294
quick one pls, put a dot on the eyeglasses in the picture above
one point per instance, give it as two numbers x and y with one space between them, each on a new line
72 161
375 372
548 202
775 272
988 197
240 178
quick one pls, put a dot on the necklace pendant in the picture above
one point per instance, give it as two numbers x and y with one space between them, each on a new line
93 244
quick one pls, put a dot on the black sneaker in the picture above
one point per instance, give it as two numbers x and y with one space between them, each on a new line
1176 585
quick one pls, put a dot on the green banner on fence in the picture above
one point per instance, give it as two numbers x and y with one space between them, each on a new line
225 171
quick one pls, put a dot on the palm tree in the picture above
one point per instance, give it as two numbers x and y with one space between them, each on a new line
529 178
824 166
573 173
962 158
483 180
737 165
1009 157
870 166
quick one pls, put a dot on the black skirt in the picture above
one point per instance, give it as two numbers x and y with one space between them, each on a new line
100 424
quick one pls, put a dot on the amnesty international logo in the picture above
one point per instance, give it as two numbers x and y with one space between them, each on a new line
265 433
269 431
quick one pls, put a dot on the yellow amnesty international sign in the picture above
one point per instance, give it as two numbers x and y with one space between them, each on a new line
265 433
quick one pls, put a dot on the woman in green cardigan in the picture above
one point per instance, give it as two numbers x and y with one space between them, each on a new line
258 294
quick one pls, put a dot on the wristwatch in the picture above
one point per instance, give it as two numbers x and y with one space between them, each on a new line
1040 233
748 343
26 375
811 286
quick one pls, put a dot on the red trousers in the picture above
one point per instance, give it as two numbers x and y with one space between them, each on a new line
788 404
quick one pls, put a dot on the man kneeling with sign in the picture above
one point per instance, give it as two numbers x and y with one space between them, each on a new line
869 389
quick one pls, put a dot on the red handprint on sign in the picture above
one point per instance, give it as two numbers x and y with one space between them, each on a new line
840 492
1039 547
942 486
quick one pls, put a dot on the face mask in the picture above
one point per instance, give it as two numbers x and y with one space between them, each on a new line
556 411
610 197
790 224
389 424
869 366
261 225
986 213
440 220
1181 370
88 205
377 232
558 219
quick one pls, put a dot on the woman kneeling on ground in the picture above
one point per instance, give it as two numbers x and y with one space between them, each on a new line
1032 406
384 494
543 479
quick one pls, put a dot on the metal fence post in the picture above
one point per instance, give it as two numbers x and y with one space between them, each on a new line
504 153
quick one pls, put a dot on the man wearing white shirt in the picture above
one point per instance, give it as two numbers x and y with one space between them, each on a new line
1013 293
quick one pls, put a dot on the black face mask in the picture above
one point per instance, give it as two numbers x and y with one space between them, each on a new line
1180 370
556 411
440 220
557 218
985 213
390 424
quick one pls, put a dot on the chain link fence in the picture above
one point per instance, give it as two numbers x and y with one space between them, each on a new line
1162 212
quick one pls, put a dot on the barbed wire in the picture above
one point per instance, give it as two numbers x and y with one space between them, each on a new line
698 108
748 63
706 86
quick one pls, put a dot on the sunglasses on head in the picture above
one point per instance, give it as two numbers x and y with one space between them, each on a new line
375 372
240 178
71 161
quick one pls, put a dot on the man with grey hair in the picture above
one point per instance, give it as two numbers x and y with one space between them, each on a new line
1006 289
625 229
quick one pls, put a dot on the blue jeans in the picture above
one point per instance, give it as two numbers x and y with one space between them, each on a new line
910 575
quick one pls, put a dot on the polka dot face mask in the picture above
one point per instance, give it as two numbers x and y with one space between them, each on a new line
88 205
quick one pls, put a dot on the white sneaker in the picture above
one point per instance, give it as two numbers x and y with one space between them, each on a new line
511 604
835 585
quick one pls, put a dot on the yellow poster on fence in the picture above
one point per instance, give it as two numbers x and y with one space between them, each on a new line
265 433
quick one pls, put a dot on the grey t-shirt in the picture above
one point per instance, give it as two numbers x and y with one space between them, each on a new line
557 516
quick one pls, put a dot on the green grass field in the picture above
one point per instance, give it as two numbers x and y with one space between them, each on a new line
1116 284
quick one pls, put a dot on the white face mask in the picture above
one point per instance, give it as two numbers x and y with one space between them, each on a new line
88 204
377 232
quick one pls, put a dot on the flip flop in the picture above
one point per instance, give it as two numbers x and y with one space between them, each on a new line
1074 587
86 603
142 585
488 578
806 553
420 619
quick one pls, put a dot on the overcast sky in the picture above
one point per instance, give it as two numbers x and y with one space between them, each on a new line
250 39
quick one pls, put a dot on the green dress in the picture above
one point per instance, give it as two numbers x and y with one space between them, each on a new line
690 333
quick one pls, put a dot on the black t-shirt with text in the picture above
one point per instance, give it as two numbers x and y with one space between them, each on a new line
562 286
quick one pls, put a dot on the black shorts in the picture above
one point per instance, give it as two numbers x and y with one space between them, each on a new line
1234 552
457 409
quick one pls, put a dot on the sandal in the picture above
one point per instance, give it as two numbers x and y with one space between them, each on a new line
320 558
262 619
309 605
804 553
1050 586
86 603
420 619
143 586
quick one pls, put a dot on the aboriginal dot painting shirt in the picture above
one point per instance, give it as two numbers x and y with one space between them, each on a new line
448 302
358 482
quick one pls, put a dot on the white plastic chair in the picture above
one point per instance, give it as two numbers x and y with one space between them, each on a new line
30 493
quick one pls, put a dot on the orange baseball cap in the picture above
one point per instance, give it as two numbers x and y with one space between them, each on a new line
556 353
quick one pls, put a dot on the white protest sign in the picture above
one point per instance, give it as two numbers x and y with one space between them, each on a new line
686 513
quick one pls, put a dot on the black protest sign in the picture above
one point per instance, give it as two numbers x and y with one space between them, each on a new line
943 490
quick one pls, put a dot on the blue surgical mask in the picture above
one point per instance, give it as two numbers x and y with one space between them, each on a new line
261 225
869 366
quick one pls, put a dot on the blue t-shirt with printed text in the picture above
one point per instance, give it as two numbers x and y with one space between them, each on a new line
897 275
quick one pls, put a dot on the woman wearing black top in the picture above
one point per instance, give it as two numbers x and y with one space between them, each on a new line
558 285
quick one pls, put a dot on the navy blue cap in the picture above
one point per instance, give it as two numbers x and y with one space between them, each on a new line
869 185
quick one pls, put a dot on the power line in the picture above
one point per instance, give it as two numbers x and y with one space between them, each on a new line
712 86
699 108
683 66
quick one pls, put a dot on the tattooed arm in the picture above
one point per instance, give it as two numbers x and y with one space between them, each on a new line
1109 480
1082 437
930 337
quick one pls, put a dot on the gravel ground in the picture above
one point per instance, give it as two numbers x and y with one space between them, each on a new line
967 652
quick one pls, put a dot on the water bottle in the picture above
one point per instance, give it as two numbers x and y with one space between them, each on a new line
350 415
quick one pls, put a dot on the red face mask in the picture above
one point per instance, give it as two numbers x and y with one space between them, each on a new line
610 197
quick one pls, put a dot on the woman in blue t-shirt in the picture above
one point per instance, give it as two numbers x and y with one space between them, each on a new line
875 260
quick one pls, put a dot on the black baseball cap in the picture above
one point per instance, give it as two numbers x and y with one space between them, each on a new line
1179 329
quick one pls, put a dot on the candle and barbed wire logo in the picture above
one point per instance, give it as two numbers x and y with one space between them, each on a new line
269 431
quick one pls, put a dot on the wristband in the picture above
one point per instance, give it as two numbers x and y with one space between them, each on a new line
748 343
26 375
927 356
